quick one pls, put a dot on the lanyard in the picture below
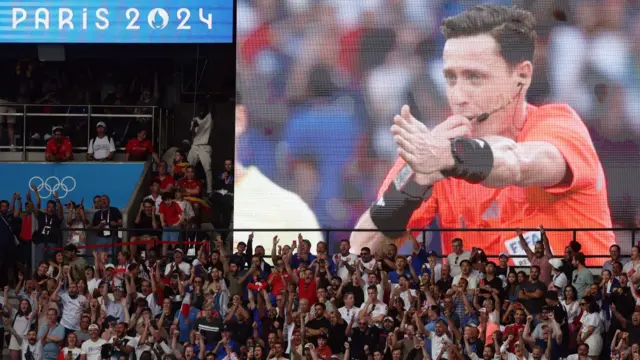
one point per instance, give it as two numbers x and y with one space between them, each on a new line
48 220
102 215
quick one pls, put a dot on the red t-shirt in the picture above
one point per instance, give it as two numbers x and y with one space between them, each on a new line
166 181
308 291
139 149
171 213
58 150
276 282
190 184
581 204
513 329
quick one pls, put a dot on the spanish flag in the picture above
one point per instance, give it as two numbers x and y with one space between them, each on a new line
204 205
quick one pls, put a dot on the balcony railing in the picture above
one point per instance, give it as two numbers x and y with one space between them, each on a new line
157 116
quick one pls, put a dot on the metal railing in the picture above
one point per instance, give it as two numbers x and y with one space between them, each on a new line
118 242
158 118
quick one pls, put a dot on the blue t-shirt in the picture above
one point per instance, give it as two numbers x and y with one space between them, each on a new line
183 327
51 350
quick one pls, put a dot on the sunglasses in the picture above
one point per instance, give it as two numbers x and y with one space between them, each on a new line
456 262
583 304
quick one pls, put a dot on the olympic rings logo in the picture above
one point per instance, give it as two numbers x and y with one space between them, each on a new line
52 184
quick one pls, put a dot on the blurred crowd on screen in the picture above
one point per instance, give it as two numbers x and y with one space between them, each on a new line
322 81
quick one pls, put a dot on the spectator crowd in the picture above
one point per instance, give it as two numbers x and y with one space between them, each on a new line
204 301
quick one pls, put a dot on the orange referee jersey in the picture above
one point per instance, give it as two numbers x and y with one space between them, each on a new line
582 203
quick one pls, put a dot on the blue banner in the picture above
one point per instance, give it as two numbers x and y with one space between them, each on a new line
116 21
72 181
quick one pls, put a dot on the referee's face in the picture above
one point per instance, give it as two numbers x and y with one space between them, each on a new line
479 80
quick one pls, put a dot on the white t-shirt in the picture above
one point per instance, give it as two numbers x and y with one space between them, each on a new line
472 281
379 309
511 356
36 350
75 352
347 314
437 342
152 303
101 147
92 349
380 292
71 311
184 266
454 261
139 347
92 285
203 131
405 296
369 266
22 323
342 271
592 319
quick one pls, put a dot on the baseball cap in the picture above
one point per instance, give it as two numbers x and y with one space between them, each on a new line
101 123
118 288
94 327
432 253
388 318
503 254
109 266
178 250
551 295
556 263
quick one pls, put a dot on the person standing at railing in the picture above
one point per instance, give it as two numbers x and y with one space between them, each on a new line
108 220
59 147
200 149
49 220
139 148
102 147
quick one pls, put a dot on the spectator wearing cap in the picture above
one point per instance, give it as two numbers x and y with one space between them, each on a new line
582 278
92 348
102 147
226 346
59 147
559 279
139 148
432 267
541 254
457 256
503 266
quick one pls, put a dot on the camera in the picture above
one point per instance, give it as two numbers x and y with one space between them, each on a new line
106 350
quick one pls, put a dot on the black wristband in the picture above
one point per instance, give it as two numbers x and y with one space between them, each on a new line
473 160
394 208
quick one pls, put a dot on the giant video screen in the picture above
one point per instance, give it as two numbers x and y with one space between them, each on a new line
338 96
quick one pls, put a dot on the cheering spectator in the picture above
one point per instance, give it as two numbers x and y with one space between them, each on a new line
59 147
